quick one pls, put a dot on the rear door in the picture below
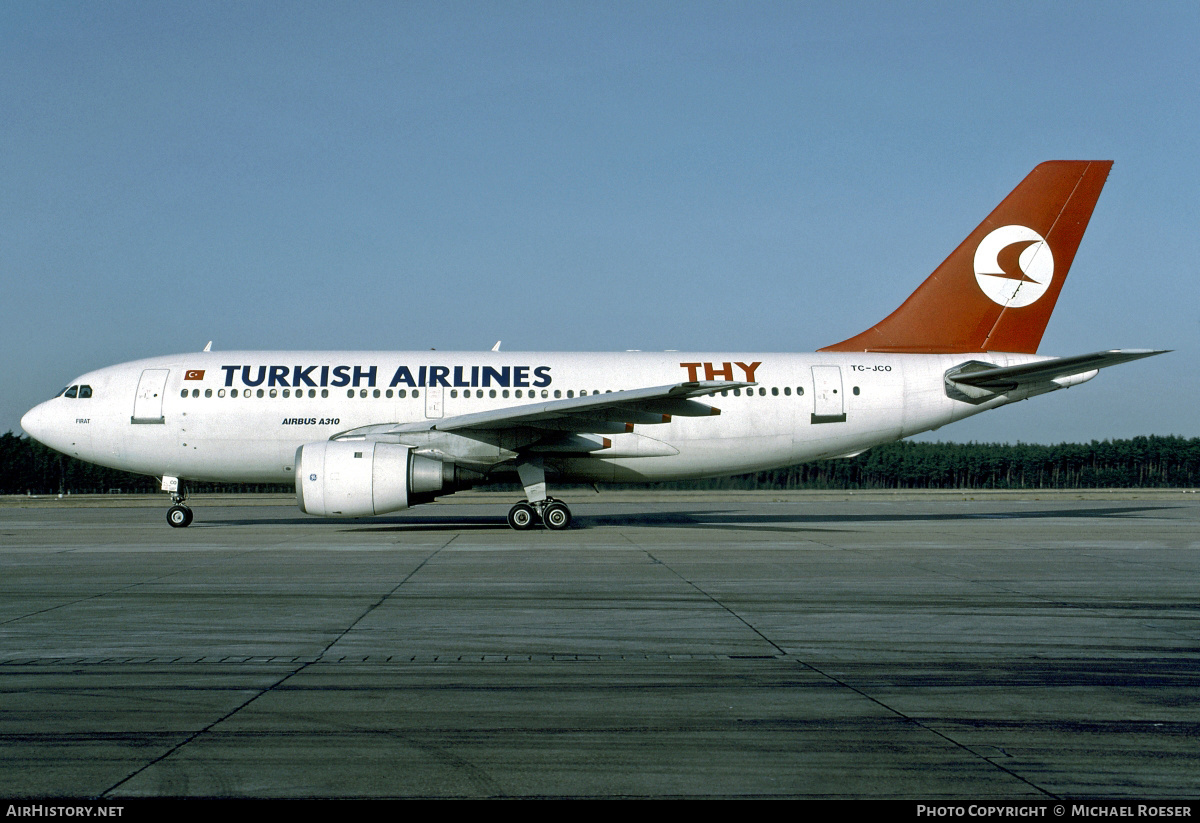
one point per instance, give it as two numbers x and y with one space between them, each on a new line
828 404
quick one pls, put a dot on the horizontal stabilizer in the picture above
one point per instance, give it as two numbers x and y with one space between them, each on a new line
1005 378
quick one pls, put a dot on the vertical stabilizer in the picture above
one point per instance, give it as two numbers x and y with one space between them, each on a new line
996 291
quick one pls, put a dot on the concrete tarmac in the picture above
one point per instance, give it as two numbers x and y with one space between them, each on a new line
933 647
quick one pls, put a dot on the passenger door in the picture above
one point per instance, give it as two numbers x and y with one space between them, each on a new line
148 402
828 404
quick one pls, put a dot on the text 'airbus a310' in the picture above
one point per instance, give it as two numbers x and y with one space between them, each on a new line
364 433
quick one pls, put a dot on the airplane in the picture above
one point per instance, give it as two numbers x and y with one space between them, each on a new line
368 433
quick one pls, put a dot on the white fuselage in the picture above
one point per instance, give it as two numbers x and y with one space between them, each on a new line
241 416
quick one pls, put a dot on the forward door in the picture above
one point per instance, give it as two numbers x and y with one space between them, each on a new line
148 402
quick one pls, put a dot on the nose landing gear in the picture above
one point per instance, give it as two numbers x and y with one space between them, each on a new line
179 515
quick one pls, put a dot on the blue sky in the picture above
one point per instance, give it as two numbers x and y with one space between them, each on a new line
583 176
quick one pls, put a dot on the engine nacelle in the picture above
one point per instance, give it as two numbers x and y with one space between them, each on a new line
358 478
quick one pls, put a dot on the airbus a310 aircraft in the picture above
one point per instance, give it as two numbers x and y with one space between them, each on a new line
364 433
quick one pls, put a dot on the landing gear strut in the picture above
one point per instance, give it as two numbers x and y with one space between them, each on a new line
179 515
554 514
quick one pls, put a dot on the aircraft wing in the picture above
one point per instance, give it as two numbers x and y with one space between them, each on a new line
1010 377
606 413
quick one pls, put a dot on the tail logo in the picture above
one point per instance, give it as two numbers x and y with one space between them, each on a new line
1014 266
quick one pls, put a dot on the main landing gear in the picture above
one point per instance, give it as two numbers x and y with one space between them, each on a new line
179 515
554 514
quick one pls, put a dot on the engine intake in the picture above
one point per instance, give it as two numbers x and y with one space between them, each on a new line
358 478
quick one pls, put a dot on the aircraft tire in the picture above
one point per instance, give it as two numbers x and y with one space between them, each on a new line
556 516
179 517
521 517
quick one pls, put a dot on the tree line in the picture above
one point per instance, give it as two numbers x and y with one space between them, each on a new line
1139 462
28 467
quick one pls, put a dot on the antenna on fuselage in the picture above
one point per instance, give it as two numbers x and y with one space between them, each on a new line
209 346
497 346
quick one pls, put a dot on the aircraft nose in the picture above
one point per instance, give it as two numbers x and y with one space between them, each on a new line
35 423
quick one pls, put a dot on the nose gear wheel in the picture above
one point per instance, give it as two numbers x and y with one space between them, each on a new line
179 516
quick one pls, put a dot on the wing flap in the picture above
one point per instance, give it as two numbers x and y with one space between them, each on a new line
593 413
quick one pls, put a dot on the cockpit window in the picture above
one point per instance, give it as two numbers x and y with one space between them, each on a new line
60 391
75 391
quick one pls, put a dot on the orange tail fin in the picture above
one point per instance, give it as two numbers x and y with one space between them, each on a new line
995 292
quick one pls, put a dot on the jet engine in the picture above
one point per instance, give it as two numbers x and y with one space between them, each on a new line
358 478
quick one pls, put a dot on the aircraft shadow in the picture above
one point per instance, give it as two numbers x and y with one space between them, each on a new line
717 519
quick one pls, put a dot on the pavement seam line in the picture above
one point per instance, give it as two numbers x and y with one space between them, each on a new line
198 733
837 681
118 590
